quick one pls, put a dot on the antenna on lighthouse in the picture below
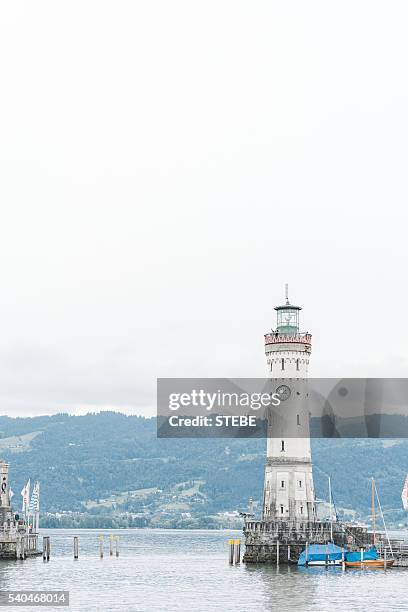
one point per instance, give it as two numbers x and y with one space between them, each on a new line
287 293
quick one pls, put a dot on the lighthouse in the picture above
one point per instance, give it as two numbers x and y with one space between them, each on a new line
288 521
288 486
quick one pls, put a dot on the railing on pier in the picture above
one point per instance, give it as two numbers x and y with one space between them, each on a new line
316 531
396 547
281 527
280 524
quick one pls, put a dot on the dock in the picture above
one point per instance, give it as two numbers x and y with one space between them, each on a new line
281 542
18 535
398 551
15 543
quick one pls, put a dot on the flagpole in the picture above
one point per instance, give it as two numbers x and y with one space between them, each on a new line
37 514
26 501
28 508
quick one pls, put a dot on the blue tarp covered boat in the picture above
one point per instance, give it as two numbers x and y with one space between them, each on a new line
368 555
330 554
320 554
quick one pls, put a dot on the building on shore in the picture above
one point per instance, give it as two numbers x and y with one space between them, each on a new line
289 520
18 538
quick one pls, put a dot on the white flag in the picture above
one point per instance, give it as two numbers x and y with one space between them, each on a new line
404 494
26 496
35 498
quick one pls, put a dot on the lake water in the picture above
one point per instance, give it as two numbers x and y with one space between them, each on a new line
188 570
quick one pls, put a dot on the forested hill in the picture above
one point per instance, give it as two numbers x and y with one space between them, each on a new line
109 469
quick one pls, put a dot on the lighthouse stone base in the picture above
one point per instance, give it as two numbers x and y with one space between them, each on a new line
265 540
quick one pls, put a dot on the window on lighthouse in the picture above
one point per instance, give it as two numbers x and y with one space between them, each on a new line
297 419
281 509
297 364
283 364
282 445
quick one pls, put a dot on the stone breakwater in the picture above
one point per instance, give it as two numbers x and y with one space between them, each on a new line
276 542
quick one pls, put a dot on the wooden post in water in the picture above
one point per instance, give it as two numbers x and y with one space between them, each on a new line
361 556
343 565
385 557
101 546
46 548
76 547
307 553
237 552
288 553
117 545
231 551
111 545
277 553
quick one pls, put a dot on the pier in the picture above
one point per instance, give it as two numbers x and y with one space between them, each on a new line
279 542
18 538
398 551
15 543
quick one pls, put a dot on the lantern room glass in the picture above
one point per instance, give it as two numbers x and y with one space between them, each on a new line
288 320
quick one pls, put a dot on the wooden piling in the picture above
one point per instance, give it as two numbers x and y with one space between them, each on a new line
307 553
385 557
117 545
288 553
76 547
46 548
343 565
101 546
277 553
231 551
237 552
111 545
361 556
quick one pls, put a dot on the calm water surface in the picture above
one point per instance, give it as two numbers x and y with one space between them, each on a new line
188 570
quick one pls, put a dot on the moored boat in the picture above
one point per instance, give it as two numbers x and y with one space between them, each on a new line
369 559
371 563
326 555
366 559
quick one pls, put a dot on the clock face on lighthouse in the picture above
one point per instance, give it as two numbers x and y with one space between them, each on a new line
284 392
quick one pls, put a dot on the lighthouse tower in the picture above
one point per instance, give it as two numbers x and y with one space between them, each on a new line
288 489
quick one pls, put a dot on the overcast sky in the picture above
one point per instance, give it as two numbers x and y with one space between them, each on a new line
167 166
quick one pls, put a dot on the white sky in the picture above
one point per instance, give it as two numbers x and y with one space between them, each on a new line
167 166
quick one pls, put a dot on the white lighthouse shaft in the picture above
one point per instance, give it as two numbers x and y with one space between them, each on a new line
288 488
